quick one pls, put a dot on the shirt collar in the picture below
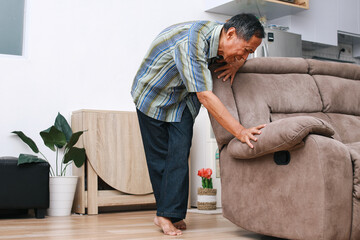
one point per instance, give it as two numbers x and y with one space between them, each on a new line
214 41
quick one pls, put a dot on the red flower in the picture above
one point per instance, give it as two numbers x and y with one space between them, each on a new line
205 173
201 172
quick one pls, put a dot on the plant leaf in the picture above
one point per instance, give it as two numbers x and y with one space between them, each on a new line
47 130
77 155
27 140
53 137
27 158
74 139
62 125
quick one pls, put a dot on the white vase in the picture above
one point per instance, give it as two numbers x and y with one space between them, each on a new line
62 192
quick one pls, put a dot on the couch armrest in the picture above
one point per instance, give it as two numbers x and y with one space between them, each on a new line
283 134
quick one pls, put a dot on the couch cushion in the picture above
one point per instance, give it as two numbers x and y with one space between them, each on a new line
339 95
343 70
283 134
275 65
354 149
257 95
347 126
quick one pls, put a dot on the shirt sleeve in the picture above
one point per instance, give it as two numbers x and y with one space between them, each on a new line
191 62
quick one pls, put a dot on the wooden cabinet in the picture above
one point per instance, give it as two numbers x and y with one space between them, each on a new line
270 8
115 153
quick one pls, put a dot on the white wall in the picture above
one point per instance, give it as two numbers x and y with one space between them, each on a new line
80 54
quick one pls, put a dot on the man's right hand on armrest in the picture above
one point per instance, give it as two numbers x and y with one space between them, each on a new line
280 135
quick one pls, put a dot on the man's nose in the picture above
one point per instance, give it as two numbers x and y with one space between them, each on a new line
245 56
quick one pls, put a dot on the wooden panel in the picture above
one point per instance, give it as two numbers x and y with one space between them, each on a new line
115 153
92 192
114 148
297 3
113 198
80 198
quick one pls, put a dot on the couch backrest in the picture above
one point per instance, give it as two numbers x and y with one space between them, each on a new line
267 89
339 88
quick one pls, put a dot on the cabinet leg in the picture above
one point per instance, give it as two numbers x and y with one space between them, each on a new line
92 190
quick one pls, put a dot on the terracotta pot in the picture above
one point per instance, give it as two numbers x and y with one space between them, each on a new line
206 199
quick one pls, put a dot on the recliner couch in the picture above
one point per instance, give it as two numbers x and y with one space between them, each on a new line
302 179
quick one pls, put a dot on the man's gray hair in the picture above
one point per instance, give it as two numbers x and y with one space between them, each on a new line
246 25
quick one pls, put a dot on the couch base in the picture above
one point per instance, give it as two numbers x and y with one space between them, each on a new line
310 198
355 230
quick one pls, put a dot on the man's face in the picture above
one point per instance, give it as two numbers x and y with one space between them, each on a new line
237 48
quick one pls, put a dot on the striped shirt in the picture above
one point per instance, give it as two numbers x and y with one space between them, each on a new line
174 69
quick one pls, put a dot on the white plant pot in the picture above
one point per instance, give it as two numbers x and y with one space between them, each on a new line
62 192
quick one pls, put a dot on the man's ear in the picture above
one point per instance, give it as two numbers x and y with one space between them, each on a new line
231 32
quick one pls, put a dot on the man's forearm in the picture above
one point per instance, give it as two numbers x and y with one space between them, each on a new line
217 109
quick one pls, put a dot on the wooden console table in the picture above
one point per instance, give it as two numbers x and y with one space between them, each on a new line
115 154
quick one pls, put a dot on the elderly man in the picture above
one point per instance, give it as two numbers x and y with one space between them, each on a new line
169 87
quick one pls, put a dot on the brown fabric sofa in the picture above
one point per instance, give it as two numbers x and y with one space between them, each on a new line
302 179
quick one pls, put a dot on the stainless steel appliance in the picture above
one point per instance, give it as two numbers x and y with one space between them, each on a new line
279 43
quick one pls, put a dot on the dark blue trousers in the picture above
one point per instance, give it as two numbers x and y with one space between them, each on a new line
167 147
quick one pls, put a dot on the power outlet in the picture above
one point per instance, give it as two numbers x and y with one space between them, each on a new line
348 49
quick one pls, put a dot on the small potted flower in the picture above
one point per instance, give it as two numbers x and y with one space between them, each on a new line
206 194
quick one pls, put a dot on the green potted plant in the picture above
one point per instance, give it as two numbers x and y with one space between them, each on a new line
60 139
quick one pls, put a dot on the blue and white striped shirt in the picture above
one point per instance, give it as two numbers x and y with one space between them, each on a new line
174 69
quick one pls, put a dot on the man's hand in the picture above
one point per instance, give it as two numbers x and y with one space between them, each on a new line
247 134
230 69
217 109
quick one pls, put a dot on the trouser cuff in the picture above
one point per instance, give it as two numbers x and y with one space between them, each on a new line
172 216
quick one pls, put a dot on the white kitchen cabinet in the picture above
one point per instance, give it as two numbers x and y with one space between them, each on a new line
356 42
323 20
318 24
271 8
326 24
348 20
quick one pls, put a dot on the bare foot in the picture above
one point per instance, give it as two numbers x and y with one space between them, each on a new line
180 225
166 225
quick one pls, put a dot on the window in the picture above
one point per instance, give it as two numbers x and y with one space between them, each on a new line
11 26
